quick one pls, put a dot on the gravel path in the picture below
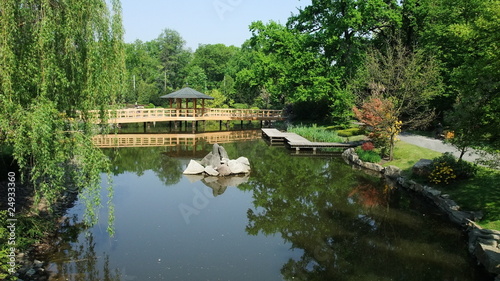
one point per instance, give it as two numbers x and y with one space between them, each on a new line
437 145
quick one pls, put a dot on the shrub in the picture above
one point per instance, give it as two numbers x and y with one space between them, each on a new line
315 134
368 155
367 146
447 168
240 106
442 173
350 132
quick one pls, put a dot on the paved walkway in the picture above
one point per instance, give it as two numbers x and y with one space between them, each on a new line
437 145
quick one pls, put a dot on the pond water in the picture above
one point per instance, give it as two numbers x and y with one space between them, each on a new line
293 218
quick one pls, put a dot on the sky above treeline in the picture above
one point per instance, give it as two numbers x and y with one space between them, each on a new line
203 21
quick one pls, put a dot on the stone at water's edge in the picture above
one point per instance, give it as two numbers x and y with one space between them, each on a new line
243 160
422 167
194 168
211 171
224 170
238 168
223 153
392 172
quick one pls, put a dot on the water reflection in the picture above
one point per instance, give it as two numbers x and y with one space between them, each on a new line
291 219
350 226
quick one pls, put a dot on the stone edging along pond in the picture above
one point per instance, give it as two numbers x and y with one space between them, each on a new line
484 244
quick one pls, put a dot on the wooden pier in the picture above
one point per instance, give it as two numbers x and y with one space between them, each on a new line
297 142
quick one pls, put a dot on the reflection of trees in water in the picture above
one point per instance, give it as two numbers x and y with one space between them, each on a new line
80 263
341 220
137 160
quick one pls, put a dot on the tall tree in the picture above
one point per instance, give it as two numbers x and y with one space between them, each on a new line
145 74
406 80
59 60
474 117
341 28
174 57
214 60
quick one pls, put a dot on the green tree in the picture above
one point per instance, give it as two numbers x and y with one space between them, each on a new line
285 69
144 71
404 81
58 61
474 117
196 78
174 57
341 29
214 60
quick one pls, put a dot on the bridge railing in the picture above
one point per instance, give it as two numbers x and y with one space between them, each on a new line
174 113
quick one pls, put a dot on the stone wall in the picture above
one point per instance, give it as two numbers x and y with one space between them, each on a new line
484 244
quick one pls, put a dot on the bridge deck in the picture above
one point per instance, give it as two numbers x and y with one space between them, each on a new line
297 142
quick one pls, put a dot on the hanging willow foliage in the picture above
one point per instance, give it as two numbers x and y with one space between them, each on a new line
58 60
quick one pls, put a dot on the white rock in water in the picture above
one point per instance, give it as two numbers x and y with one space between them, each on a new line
194 168
238 168
243 160
211 171
224 170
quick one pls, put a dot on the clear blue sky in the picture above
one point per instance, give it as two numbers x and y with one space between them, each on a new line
203 21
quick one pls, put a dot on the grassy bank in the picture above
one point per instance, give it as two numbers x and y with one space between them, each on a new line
480 193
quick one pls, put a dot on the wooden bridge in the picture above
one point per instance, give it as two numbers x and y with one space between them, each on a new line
297 142
134 115
170 140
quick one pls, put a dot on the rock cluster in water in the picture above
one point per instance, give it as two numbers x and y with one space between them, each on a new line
218 164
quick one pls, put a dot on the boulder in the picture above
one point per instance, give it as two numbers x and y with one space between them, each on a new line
224 170
392 172
243 160
422 167
238 168
211 171
223 153
489 256
194 168
207 160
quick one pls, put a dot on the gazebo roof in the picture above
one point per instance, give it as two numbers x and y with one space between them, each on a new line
186 93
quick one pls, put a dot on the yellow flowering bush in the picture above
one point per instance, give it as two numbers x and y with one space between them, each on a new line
442 174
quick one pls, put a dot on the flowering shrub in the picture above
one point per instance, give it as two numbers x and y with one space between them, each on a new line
442 174
367 146
448 168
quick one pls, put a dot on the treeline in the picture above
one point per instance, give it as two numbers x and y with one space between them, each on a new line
433 60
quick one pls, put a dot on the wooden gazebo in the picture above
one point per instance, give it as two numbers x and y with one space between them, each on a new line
187 94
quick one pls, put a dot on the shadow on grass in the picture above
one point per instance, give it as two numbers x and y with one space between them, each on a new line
481 193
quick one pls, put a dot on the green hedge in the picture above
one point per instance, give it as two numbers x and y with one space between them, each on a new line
350 132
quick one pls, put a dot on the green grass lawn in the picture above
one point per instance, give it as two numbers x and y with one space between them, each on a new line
481 193
406 155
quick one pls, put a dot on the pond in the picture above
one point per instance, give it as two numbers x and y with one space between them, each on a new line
293 218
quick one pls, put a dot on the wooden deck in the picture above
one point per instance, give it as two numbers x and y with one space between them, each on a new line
297 142
133 115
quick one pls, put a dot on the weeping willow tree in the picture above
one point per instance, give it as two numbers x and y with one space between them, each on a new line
59 59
